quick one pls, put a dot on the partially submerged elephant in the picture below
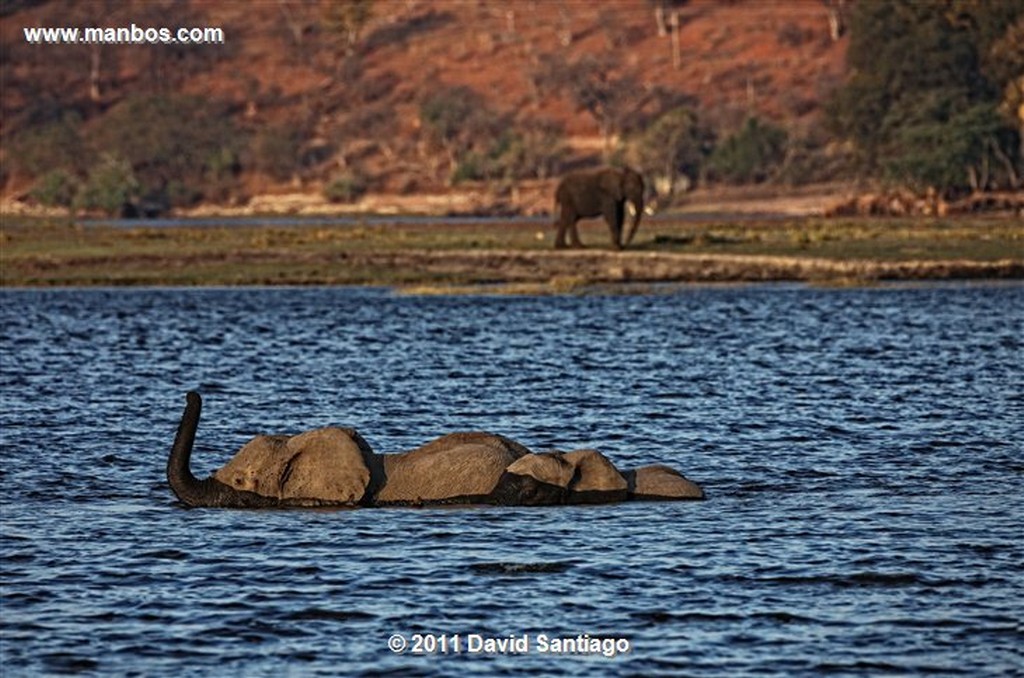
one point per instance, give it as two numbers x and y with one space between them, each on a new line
337 467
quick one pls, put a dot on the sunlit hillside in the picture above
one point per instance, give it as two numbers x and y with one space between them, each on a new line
345 99
345 91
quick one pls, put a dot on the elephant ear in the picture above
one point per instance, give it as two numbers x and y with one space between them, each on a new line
330 464
610 181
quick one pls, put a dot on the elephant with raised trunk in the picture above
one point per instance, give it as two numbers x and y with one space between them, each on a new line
337 467
328 467
593 193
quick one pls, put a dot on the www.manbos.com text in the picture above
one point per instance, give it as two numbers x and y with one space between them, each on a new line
124 35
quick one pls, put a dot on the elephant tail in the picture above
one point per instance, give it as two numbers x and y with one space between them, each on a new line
208 492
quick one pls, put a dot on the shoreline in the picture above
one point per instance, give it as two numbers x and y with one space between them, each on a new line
436 256
534 272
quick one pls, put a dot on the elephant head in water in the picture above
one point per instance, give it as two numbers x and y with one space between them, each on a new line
325 467
578 477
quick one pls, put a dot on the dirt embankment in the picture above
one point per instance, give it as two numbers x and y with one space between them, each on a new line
532 271
569 268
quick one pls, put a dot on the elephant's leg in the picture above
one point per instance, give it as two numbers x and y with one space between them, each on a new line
566 221
574 235
614 215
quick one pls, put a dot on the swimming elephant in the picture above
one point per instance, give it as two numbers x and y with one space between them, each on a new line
594 193
337 467
326 467
660 483
578 477
331 465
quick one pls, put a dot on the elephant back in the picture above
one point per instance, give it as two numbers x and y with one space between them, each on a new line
456 468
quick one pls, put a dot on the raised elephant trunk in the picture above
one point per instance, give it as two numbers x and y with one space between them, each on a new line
208 492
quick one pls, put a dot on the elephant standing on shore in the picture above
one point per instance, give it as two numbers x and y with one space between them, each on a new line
593 193
336 467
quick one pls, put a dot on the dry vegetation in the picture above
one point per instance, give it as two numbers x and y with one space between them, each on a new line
303 104
512 255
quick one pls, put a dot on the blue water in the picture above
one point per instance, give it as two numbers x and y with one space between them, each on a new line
862 450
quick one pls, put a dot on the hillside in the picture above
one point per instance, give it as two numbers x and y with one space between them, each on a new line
323 92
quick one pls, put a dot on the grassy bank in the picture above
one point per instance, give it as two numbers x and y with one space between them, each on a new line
39 252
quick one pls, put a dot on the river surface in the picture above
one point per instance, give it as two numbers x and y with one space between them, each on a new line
862 451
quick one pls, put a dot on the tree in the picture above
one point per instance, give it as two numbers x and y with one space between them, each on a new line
675 145
1004 62
930 120
181 148
57 145
836 18
528 150
276 151
666 18
751 154
56 188
663 14
597 86
457 120
348 18
535 150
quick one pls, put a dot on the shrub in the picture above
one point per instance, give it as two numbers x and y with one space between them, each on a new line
111 186
345 188
751 154
470 167
169 140
56 188
275 151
